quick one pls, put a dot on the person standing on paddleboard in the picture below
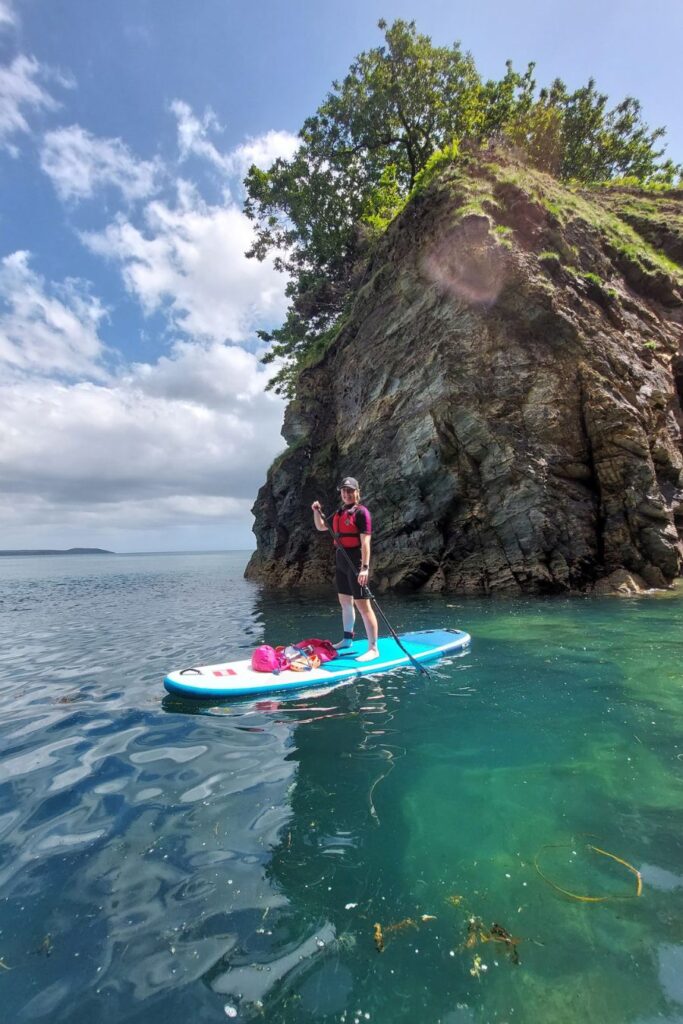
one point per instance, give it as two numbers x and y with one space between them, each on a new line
352 530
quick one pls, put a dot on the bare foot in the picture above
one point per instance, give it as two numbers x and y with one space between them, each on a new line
369 655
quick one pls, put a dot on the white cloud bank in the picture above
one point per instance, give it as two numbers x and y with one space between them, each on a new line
166 445
79 163
121 442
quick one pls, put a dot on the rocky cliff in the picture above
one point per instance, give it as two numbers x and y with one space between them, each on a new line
508 389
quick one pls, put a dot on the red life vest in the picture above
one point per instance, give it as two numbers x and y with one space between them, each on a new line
345 529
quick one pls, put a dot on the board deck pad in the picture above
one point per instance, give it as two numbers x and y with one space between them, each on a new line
238 678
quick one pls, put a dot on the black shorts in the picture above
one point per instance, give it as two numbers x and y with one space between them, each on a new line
346 576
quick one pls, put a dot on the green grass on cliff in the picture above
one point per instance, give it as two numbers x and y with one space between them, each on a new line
472 194
615 216
656 217
567 203
504 235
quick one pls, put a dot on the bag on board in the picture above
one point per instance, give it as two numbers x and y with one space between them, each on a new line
267 659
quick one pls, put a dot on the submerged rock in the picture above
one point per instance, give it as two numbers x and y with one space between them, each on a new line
507 387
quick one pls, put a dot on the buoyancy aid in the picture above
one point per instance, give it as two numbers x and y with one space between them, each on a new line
345 528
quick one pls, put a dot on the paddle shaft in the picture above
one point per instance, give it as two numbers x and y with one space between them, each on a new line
366 588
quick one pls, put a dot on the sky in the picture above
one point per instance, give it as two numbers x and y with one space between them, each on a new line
133 414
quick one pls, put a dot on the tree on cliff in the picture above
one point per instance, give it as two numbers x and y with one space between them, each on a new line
365 147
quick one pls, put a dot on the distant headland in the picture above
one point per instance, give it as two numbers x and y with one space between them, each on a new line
67 551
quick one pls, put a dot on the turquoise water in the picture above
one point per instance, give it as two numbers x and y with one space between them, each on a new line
162 861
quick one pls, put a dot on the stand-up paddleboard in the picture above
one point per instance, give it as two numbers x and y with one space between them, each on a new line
238 678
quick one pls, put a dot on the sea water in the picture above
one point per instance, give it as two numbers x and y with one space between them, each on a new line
342 855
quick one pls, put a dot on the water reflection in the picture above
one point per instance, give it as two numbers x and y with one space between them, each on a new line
338 751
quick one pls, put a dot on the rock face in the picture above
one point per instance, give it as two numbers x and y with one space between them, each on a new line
507 388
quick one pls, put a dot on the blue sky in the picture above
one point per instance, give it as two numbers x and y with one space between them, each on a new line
132 409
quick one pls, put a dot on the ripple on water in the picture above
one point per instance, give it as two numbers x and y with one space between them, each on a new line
162 861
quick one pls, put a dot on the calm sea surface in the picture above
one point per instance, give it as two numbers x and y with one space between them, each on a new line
164 861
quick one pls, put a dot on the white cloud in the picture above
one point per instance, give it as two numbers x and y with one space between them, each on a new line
193 139
79 163
47 328
263 150
8 16
190 261
20 92
209 375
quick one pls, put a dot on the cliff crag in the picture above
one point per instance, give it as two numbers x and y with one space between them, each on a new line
508 388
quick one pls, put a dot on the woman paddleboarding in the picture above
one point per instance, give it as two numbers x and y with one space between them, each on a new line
352 530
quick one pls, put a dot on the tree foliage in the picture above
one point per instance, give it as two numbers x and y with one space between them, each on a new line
400 111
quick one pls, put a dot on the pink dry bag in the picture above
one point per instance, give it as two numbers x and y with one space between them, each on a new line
266 659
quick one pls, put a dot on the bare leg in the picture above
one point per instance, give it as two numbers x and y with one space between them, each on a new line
370 622
348 619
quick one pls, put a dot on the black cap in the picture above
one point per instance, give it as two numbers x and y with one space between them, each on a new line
349 481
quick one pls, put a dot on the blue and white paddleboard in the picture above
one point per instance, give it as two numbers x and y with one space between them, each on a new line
238 678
